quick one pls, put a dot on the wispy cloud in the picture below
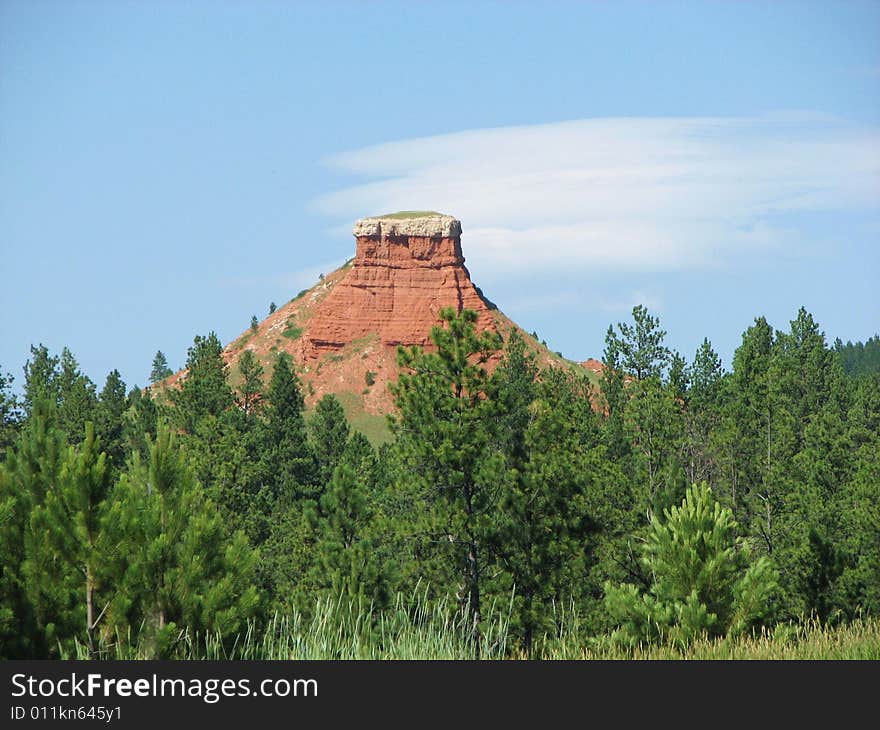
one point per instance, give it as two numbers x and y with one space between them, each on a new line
647 194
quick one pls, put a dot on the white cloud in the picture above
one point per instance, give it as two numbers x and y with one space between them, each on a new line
647 194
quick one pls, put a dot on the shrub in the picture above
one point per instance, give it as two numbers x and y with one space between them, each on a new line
291 331
705 584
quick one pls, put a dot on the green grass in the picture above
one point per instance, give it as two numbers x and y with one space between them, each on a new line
291 331
403 214
859 640
414 628
374 427
361 343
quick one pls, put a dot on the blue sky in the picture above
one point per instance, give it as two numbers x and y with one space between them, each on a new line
169 168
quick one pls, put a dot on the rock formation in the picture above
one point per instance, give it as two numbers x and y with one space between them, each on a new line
594 366
404 272
343 333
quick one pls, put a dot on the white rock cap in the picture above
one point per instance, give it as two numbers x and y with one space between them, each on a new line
429 225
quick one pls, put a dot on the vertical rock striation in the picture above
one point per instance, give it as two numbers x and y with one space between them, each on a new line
405 271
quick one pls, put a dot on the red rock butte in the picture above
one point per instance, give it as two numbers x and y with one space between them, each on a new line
343 333
406 269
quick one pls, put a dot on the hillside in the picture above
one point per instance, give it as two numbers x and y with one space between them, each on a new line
343 333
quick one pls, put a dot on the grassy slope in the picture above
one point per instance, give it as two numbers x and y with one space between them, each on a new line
281 331
374 427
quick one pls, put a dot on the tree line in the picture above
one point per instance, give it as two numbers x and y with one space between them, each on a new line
671 501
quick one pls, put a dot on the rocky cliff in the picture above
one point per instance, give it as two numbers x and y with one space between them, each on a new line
343 333
404 272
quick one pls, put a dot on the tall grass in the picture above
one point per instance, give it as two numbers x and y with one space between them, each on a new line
415 628
811 640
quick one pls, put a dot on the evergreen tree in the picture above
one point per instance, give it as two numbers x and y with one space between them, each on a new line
348 563
655 429
224 452
704 582
702 415
705 376
77 398
640 345
204 391
179 565
9 412
220 439
679 378
328 431
287 462
859 359
140 422
858 506
746 434
541 526
29 578
110 419
611 386
160 369
40 378
447 407
252 382
516 392
515 488
812 461
71 518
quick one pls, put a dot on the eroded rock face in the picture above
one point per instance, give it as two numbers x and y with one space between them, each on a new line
405 271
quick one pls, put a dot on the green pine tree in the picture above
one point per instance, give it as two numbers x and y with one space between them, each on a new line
540 530
160 369
179 565
704 582
77 398
140 422
447 406
348 562
204 391
30 579
110 419
251 387
71 519
287 463
40 378
328 432
9 412
640 345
